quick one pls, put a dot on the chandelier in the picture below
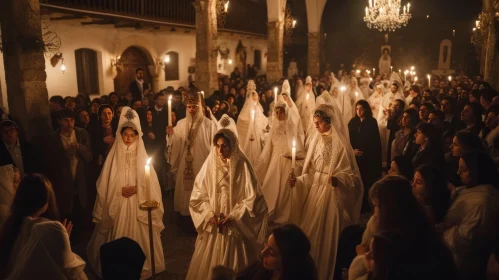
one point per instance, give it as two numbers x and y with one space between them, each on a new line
289 25
386 15
222 7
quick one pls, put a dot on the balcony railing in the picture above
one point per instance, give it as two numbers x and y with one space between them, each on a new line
181 11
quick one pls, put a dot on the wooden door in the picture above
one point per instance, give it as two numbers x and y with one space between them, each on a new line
131 59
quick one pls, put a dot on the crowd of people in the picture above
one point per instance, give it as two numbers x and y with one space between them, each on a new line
274 178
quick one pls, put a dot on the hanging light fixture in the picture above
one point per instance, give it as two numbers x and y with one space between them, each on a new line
222 10
387 15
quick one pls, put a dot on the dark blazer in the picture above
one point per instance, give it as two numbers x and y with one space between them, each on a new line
27 153
99 148
59 172
135 90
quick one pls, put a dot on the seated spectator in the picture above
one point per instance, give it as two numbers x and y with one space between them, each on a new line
82 119
286 256
430 142
430 190
472 117
463 142
471 224
122 259
402 166
34 247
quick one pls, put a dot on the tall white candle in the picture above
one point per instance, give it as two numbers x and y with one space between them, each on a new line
391 69
170 111
253 115
293 154
374 72
429 81
450 78
308 96
148 180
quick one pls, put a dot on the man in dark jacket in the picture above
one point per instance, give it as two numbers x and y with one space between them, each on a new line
15 151
139 87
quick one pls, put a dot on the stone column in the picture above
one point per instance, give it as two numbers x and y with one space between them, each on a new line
314 44
490 55
25 66
206 43
275 51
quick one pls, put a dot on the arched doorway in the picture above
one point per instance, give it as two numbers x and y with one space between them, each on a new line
131 59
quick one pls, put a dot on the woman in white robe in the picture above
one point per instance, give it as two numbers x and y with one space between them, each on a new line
251 124
364 85
294 113
274 165
188 145
353 91
226 184
330 188
121 188
375 100
307 105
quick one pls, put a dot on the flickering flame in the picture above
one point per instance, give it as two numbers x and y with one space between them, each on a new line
148 161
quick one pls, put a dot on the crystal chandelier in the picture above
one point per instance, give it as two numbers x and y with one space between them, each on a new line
386 15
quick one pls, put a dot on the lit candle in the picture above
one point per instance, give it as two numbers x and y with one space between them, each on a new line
389 3
415 79
404 10
371 3
170 110
391 69
450 78
293 154
374 71
412 68
400 71
308 95
367 11
148 180
253 115
356 94
275 95
429 81
202 92
454 32
408 7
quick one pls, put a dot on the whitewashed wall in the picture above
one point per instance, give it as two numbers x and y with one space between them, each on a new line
109 42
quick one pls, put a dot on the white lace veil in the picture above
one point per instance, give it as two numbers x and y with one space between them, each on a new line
395 78
244 119
112 177
294 113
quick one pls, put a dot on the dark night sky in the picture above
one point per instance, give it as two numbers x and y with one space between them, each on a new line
349 38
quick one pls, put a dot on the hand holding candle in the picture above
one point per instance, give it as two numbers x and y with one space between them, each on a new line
148 180
293 154
170 111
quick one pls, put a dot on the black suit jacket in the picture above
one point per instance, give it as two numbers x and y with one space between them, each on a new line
135 90
27 153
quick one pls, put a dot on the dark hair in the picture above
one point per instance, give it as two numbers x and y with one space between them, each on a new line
451 100
428 105
469 141
155 97
125 127
113 93
482 168
477 111
222 135
57 99
437 193
138 69
368 112
432 133
493 109
294 248
416 89
398 207
33 193
323 116
404 165
95 100
488 94
476 93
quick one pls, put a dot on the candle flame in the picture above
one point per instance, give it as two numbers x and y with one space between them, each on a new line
148 161
170 98
294 143
343 88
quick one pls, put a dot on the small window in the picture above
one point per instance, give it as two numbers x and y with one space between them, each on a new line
171 68
87 73
258 59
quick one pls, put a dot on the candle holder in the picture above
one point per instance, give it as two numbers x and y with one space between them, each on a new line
150 206
292 175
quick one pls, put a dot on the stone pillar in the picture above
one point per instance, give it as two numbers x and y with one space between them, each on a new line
275 51
206 43
24 63
314 44
490 56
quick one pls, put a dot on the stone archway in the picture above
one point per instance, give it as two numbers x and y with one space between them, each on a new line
131 59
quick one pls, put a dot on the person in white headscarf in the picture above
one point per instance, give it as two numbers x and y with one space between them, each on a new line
228 209
353 91
329 192
306 105
121 188
9 180
188 146
294 113
334 82
251 124
364 85
274 165
375 100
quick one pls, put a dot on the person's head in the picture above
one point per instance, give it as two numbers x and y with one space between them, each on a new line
363 110
322 121
414 90
56 103
69 103
129 135
486 97
113 98
255 97
225 89
409 118
159 99
145 102
475 96
136 104
394 88
242 92
448 105
83 118
149 115
117 111
105 114
491 120
472 113
401 166
66 119
223 145
398 208
477 168
287 253
233 91
437 118
139 74
122 258
429 187
398 106
465 141
10 132
94 105
280 112
424 111
427 135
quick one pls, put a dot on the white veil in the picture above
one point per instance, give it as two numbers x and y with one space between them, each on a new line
112 178
395 78
294 113
244 119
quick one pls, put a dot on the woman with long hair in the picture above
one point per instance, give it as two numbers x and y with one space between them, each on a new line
430 146
430 189
471 224
366 143
34 244
286 256
402 166
404 138
463 142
